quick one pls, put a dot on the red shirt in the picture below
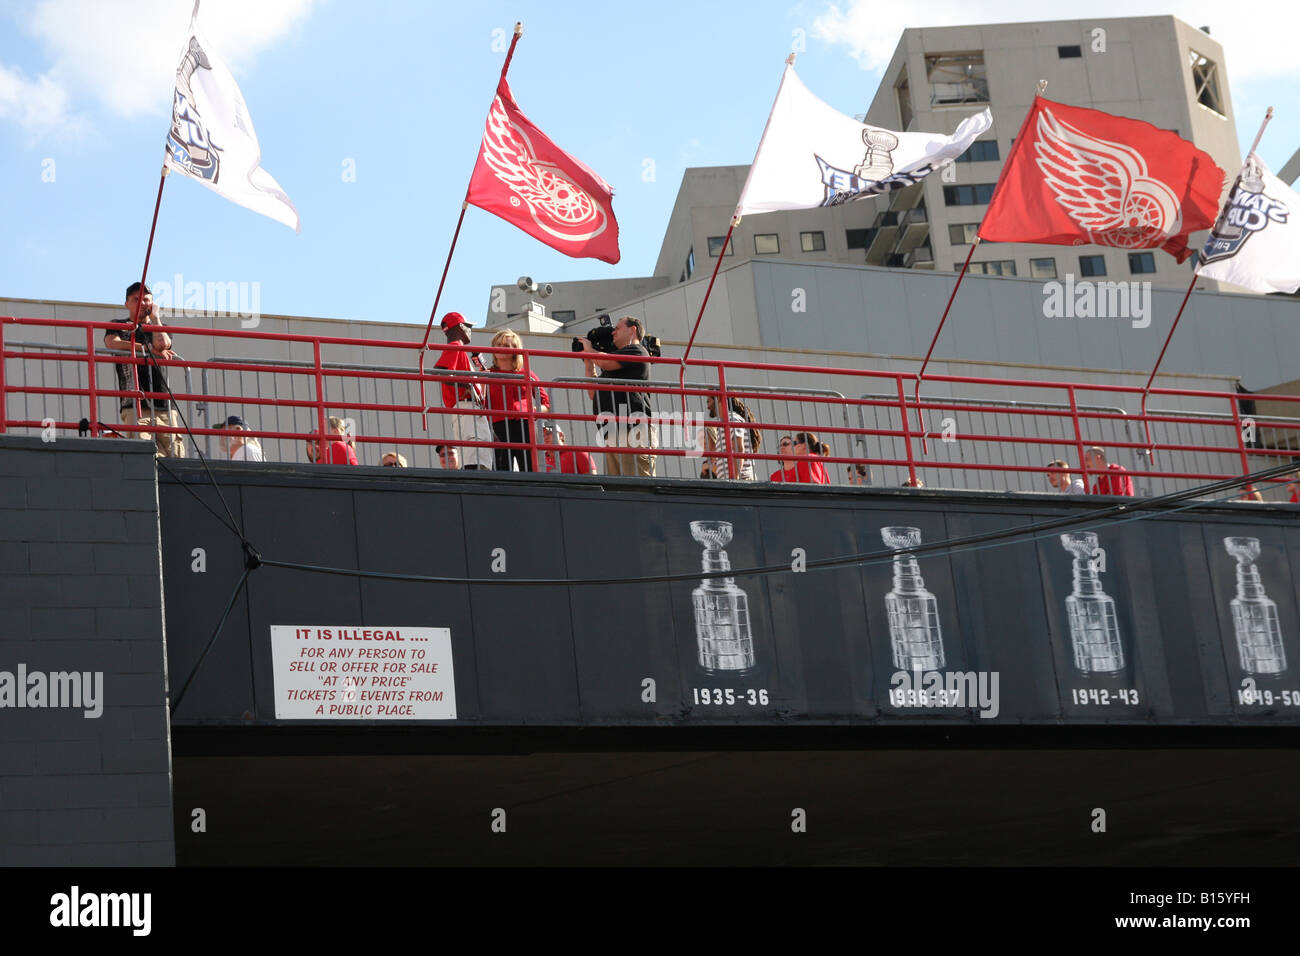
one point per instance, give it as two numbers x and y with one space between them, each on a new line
571 463
515 398
341 453
1117 482
455 359
808 472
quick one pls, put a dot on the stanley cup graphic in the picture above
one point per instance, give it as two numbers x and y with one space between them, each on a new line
914 632
721 608
1254 614
1094 629
879 159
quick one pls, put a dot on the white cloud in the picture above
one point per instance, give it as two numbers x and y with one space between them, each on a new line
37 105
121 56
1261 45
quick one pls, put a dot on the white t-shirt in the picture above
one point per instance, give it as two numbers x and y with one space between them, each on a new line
247 452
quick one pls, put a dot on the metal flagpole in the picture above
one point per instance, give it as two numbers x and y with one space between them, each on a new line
424 405
681 378
1151 446
735 221
139 299
916 393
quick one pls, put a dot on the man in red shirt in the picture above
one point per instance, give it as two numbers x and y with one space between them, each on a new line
1111 479
467 395
565 462
340 450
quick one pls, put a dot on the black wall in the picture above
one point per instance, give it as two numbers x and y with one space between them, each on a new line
577 655
81 591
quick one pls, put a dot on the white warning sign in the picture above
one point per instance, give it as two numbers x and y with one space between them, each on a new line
363 673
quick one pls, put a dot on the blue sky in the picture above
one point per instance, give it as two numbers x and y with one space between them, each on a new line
402 90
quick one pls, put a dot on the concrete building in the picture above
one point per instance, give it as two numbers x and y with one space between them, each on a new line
1157 69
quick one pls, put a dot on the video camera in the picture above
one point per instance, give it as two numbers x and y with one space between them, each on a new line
602 338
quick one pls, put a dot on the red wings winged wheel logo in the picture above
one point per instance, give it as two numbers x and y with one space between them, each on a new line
558 205
1105 188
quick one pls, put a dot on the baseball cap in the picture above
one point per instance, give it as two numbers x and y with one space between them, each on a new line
235 421
453 319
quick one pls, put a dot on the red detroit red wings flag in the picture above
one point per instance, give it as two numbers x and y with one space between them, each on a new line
1077 176
530 182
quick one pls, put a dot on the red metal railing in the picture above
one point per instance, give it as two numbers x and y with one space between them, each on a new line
1215 414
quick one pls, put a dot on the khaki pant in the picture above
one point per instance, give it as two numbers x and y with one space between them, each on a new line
169 446
638 436
472 428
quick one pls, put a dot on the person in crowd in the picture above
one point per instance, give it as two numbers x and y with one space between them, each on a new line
511 397
628 412
1251 493
1293 488
1111 479
393 459
448 457
340 449
744 441
561 459
859 474
143 326
804 466
466 396
785 449
235 444
1058 476
913 483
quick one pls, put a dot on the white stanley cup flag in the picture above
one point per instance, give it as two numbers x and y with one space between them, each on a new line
812 155
1256 241
212 137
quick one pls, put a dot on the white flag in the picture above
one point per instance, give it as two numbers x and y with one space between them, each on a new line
812 155
1256 241
212 137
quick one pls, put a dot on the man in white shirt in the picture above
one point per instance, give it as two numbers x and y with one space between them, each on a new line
238 447
1058 476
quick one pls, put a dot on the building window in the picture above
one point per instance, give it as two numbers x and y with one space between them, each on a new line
1069 52
812 241
904 102
976 194
1141 262
981 151
1205 79
690 263
963 233
715 246
856 238
567 315
768 244
1042 268
957 78
1092 266
997 267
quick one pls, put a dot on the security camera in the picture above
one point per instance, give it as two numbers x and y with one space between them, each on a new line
526 284
544 290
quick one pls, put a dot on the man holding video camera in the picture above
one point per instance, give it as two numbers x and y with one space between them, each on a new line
623 417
